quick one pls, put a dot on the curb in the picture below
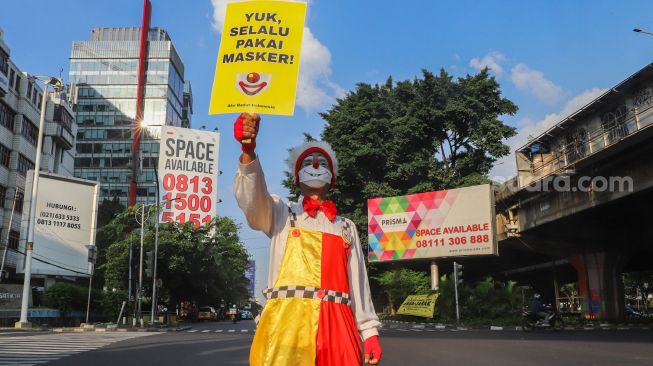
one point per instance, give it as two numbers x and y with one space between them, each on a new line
395 324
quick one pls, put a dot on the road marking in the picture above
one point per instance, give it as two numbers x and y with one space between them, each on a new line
193 330
38 349
206 330
231 331
243 330
219 330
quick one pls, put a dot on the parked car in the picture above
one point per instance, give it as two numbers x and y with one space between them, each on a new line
207 313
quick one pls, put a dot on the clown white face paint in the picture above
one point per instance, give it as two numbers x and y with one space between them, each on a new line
315 171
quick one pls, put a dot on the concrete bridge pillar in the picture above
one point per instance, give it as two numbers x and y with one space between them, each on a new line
600 284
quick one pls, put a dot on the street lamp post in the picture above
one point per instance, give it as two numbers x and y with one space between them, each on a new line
156 246
58 85
156 243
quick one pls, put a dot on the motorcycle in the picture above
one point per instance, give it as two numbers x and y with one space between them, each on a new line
631 313
235 318
532 321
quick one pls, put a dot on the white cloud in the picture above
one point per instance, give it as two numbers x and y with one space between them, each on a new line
506 167
315 88
533 81
492 61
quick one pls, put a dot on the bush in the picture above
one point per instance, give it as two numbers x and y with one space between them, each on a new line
488 301
111 302
66 297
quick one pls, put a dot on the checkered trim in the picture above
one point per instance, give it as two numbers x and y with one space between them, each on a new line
306 292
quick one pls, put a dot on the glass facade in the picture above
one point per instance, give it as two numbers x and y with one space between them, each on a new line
104 75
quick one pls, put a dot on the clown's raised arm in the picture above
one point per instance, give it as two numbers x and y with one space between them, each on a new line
260 208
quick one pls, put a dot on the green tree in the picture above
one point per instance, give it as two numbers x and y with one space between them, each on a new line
107 211
202 265
426 134
117 229
399 284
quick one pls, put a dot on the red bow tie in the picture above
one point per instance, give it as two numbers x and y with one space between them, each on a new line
311 206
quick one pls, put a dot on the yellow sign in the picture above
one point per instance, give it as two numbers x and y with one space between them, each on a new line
258 62
419 305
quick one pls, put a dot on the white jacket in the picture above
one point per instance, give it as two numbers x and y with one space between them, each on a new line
269 214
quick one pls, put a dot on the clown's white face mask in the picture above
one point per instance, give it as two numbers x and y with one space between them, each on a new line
314 171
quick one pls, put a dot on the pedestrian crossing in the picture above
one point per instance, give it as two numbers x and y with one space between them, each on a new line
199 331
27 350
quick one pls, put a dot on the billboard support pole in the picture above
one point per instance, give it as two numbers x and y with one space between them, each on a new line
129 285
455 284
140 270
156 243
435 277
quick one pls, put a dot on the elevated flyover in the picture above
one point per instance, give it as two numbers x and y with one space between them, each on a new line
584 191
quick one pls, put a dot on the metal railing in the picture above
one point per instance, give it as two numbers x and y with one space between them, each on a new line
594 141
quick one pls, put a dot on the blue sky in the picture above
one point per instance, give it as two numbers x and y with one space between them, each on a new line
550 57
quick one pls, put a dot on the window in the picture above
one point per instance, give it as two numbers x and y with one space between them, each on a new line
29 131
14 237
3 196
4 155
84 148
82 162
7 117
29 90
4 62
19 202
62 116
12 78
17 85
24 164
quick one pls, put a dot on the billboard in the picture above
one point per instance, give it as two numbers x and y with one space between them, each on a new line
65 223
450 223
188 175
11 296
258 61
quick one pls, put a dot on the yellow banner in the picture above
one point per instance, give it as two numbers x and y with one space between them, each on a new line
419 305
258 62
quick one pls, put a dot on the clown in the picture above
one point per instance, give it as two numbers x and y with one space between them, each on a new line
318 297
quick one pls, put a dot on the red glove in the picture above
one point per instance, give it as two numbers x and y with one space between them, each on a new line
373 351
246 122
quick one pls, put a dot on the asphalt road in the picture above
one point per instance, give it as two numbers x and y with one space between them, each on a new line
224 343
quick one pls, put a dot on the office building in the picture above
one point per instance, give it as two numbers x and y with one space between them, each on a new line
20 106
104 75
